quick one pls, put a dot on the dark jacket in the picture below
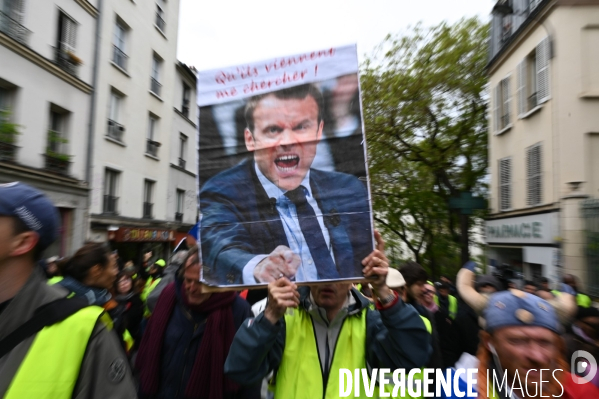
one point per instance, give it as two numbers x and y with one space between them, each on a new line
436 360
239 221
448 334
395 338
182 340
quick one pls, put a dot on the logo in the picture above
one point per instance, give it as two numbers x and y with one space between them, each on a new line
583 367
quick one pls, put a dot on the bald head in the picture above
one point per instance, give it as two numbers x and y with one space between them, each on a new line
570 280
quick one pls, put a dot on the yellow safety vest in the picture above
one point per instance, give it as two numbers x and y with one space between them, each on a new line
453 305
51 368
150 285
300 376
582 300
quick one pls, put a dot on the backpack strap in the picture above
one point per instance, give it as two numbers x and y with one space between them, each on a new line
50 313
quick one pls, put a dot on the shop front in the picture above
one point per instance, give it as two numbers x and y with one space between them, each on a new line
133 242
526 244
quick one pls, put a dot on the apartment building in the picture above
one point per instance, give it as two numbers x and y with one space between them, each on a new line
46 75
544 139
144 158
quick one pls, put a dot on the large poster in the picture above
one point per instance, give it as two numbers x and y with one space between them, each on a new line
282 171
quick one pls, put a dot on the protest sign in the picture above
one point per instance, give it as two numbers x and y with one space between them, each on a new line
282 171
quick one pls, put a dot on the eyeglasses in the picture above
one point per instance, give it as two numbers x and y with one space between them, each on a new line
428 292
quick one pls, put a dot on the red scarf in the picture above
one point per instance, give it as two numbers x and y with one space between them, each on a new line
207 379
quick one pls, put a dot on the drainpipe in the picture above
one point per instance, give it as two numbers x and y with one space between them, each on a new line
92 112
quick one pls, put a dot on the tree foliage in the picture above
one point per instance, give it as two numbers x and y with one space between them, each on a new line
425 101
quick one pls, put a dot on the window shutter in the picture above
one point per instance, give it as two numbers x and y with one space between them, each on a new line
543 71
505 178
534 4
497 107
522 88
507 102
68 34
533 169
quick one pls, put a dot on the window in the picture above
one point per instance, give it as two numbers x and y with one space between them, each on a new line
533 78
155 85
180 205
115 128
65 46
182 150
152 145
11 19
502 105
160 22
148 196
505 184
111 181
57 137
534 175
119 55
185 104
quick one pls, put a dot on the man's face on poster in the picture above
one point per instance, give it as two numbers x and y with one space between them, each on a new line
286 133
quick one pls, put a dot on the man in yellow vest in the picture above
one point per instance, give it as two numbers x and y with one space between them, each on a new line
308 335
582 300
43 355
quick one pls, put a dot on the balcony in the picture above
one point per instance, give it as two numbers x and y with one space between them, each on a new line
115 130
160 23
13 28
57 163
66 61
178 217
182 163
152 148
532 101
119 57
148 210
8 152
155 87
110 204
505 120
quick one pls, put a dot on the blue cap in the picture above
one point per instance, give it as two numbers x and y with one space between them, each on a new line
518 308
33 208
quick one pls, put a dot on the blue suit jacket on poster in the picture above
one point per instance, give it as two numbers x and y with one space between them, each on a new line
239 221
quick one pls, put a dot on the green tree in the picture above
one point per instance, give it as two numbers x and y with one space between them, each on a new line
425 102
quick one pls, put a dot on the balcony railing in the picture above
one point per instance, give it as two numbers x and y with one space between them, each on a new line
66 61
532 101
115 130
182 163
505 120
160 23
152 148
119 57
13 28
178 217
110 204
155 87
57 163
148 210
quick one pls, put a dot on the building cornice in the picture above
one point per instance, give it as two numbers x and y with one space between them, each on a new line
18 172
102 220
43 63
534 20
87 6
537 210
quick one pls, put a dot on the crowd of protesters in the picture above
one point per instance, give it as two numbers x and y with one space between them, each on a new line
89 326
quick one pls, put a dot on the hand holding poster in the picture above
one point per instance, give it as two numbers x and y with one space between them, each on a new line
283 182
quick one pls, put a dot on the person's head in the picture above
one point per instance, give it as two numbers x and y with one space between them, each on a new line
530 287
522 335
570 280
190 273
51 266
93 265
428 294
396 282
445 279
544 283
415 277
157 267
123 284
442 289
29 222
587 319
487 284
283 131
330 297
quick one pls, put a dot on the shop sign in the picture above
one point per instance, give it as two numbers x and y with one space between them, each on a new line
124 234
531 229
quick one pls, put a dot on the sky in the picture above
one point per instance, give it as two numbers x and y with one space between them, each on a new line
220 33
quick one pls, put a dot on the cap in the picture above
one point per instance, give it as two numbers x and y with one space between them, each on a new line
395 279
518 308
485 279
33 208
441 285
160 262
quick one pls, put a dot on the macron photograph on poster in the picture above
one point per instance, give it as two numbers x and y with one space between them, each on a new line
283 180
